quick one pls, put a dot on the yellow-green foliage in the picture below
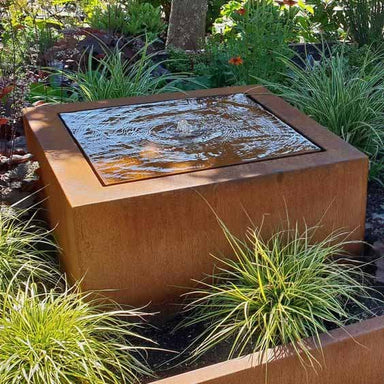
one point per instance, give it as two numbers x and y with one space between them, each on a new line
275 292
67 338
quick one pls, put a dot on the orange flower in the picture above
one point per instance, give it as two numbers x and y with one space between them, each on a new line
5 91
3 121
236 61
241 11
19 27
290 3
38 103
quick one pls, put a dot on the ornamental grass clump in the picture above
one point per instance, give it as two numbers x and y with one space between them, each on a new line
26 248
274 293
347 99
51 337
113 76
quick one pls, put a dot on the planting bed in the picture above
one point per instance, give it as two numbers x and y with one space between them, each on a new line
143 239
350 356
171 338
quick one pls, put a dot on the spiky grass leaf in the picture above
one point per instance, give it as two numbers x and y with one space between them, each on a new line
26 248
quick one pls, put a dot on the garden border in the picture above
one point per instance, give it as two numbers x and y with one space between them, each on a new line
353 355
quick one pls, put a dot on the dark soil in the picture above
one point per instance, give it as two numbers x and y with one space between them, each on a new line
167 364
375 214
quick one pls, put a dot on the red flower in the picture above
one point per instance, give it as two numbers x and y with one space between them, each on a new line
42 75
3 121
241 11
5 91
236 61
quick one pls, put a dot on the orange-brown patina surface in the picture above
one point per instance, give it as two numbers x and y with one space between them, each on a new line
143 240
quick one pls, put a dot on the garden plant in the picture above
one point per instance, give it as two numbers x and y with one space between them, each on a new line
109 76
347 99
67 337
26 250
275 292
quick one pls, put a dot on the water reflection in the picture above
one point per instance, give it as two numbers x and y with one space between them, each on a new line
148 140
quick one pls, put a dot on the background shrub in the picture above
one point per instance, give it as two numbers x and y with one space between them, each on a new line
251 38
130 17
363 20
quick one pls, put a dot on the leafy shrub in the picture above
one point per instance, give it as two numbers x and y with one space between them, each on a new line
361 21
181 61
364 21
164 4
322 22
111 18
144 18
25 250
273 293
347 100
194 65
25 45
55 338
211 66
356 56
29 28
129 17
255 34
116 77
214 7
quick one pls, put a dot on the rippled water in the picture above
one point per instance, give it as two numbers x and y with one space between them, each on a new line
136 142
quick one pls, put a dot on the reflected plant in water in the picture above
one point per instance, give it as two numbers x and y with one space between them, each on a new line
274 293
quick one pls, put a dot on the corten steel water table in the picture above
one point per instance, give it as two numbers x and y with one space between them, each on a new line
134 184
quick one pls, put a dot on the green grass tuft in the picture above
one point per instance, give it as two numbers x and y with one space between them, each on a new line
51 338
274 293
348 100
26 248
113 76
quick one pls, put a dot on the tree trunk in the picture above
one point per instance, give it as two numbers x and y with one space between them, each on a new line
187 24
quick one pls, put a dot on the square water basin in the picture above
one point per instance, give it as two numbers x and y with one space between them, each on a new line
134 184
142 141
